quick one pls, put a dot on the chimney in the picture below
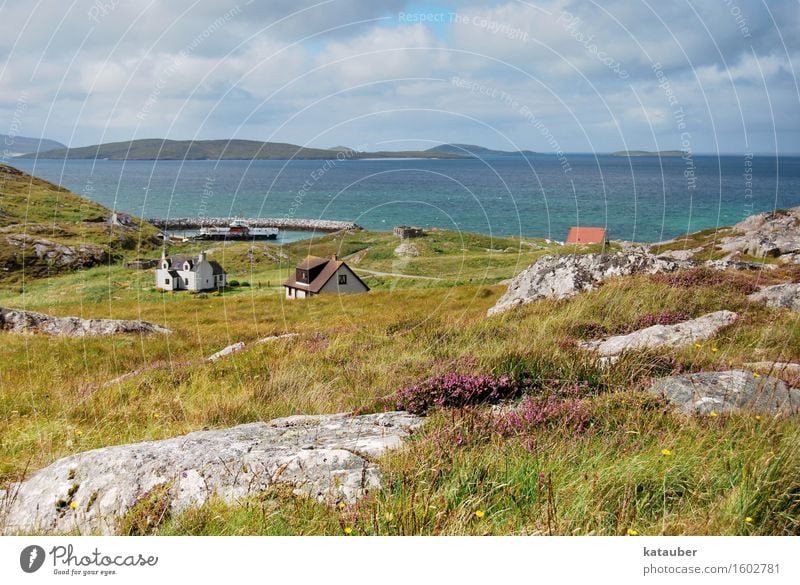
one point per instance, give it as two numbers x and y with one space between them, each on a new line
201 257
334 257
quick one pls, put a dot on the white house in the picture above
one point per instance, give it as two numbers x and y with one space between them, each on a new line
315 276
183 272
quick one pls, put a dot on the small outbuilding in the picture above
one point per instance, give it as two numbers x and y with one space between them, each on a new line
195 273
587 235
316 275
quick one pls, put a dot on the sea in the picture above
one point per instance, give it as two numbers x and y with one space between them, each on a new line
644 199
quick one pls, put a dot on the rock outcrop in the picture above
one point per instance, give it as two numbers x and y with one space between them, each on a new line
329 457
766 235
657 336
59 256
777 368
785 296
18 321
560 277
225 352
733 390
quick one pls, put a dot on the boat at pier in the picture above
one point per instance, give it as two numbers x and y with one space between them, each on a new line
237 230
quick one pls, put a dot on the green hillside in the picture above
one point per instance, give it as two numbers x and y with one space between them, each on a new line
46 229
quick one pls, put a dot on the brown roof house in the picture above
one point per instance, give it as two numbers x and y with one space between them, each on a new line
182 272
315 276
587 235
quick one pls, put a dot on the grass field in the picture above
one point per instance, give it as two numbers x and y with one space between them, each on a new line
462 474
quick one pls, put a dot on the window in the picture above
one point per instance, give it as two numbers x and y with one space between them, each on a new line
342 279
166 281
186 281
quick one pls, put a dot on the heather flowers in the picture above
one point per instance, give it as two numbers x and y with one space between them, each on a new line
662 318
533 412
454 391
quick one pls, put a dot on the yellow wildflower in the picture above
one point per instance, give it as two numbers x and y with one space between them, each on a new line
712 414
666 452
758 417
632 532
479 514
389 516
348 530
73 505
756 375
748 520
698 345
79 433
715 349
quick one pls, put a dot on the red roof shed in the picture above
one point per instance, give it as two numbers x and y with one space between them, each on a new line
586 235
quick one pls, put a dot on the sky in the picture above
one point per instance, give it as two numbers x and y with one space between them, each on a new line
711 76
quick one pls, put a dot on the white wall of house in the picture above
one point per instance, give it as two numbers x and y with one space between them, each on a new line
296 293
351 284
164 280
200 278
203 276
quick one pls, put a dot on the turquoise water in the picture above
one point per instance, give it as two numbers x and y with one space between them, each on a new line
643 199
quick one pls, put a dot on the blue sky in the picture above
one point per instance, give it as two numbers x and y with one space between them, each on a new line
561 75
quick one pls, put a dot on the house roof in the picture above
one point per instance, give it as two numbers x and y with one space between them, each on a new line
586 235
177 261
331 267
312 262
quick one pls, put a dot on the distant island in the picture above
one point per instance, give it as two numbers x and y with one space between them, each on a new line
472 150
158 149
16 145
660 153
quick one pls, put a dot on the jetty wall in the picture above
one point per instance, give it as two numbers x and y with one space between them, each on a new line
293 224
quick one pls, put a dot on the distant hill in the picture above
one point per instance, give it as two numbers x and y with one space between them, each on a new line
665 153
16 145
158 149
475 150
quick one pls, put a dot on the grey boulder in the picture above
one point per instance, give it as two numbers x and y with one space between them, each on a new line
663 335
786 296
327 457
560 277
19 321
733 390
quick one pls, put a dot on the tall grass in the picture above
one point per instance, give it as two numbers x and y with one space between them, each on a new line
355 351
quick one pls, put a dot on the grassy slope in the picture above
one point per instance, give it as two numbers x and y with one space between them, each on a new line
29 205
355 350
